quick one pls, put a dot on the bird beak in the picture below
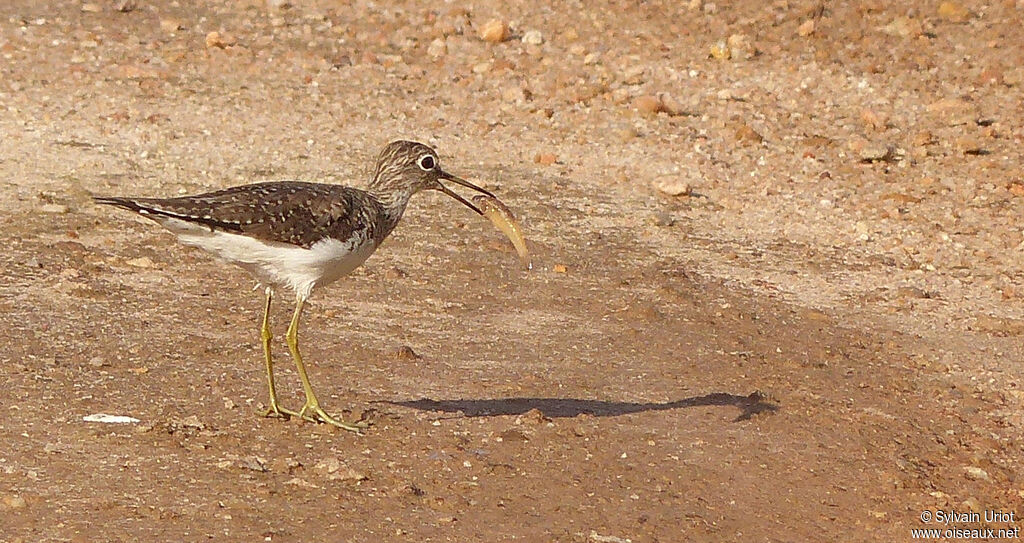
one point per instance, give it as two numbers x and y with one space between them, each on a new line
457 180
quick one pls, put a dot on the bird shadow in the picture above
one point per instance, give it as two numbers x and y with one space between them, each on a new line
750 405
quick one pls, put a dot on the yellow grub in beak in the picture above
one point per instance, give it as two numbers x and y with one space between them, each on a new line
502 217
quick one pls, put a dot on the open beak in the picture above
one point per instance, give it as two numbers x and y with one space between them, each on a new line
458 180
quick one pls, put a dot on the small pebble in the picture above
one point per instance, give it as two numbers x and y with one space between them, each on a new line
746 133
672 186
872 119
904 27
253 463
437 48
670 105
54 208
991 76
141 262
533 37
170 25
545 159
635 75
871 151
662 219
1016 188
221 41
296 481
720 51
969 145
628 134
533 416
647 104
334 469
512 436
953 12
906 292
741 47
405 352
923 137
972 504
494 31
110 419
14 502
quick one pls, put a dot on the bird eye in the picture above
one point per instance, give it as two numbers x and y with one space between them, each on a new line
427 162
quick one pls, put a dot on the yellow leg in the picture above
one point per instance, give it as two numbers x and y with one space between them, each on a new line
311 410
275 410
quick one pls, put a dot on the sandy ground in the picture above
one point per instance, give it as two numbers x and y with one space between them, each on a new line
777 294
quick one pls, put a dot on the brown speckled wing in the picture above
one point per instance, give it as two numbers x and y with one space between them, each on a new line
285 212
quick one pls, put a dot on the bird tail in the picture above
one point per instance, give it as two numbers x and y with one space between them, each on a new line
142 206
126 203
154 208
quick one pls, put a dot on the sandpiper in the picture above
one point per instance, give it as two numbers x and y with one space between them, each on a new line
301 236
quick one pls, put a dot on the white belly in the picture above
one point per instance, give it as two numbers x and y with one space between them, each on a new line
280 264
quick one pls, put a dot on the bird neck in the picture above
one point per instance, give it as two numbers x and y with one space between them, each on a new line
392 203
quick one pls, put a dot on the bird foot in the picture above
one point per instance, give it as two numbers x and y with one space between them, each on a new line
276 411
314 413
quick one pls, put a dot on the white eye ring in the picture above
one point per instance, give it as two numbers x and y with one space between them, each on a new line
427 163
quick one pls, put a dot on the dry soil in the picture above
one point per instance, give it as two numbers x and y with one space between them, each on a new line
777 294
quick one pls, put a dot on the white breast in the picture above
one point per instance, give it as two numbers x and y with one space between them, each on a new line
280 264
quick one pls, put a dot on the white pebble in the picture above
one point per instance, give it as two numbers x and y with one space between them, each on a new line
437 48
110 419
533 37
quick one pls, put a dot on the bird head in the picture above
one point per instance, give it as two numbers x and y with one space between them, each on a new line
409 167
